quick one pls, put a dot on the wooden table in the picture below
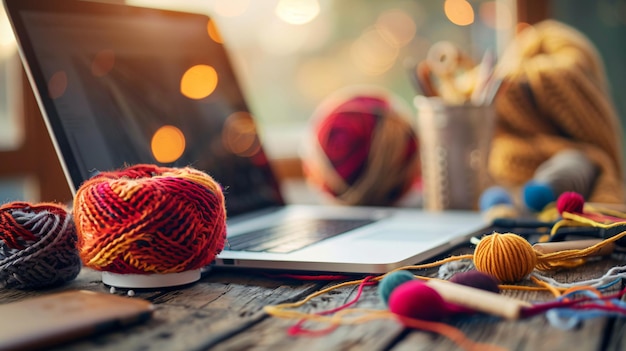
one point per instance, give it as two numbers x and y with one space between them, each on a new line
224 311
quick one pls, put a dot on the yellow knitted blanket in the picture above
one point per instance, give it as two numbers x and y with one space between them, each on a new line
555 96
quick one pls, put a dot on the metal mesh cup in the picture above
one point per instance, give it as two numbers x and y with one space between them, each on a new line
454 142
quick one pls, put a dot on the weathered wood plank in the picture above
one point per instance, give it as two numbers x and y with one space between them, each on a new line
199 315
272 332
224 311
529 334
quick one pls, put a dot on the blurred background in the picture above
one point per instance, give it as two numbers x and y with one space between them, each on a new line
291 54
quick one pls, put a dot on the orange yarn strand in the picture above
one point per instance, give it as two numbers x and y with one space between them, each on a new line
450 332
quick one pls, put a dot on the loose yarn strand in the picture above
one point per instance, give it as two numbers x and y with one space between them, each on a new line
609 278
555 291
495 250
343 317
297 329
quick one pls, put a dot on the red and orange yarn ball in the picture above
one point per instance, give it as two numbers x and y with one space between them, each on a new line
364 150
146 219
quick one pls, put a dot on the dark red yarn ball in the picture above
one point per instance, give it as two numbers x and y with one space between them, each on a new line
345 135
363 149
570 201
477 279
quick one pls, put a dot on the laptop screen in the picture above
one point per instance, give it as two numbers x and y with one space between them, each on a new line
124 85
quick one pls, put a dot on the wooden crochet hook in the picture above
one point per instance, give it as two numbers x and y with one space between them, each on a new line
479 300
556 246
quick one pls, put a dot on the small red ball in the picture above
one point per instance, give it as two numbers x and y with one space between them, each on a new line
570 201
415 299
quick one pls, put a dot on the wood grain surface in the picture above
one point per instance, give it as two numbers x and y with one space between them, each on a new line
224 311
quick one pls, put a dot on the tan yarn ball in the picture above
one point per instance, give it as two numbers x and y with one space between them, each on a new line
508 257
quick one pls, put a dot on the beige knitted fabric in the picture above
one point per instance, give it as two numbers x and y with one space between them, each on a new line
555 96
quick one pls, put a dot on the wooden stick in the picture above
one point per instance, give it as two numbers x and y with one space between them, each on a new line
479 300
550 247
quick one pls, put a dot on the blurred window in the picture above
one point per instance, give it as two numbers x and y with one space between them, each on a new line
291 54
11 133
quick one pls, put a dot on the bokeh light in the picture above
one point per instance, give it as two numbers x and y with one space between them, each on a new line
103 63
496 15
280 38
459 12
239 135
373 54
214 33
199 82
397 27
231 8
318 77
297 11
7 39
168 144
57 84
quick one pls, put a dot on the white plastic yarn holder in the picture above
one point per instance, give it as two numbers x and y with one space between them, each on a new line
148 281
454 151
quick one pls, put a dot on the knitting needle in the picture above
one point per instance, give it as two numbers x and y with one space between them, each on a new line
479 300
493 87
551 247
483 76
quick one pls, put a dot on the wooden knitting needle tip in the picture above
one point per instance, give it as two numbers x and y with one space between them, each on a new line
479 300
556 246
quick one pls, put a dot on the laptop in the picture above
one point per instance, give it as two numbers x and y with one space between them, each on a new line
109 77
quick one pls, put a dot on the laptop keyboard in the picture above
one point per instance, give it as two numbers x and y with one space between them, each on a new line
293 235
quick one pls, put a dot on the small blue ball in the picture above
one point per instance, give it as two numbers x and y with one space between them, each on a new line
392 281
537 195
493 196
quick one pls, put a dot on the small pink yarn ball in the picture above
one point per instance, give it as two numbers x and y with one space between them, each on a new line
571 202
415 299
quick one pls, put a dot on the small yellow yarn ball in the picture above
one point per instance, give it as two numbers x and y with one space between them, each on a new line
508 257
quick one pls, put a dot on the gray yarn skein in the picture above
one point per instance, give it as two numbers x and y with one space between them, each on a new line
50 260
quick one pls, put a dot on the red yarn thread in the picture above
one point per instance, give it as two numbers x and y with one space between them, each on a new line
148 219
13 234
297 329
584 302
